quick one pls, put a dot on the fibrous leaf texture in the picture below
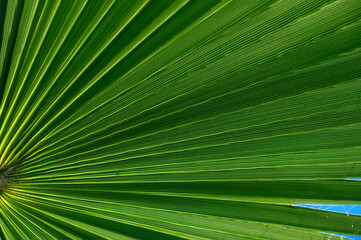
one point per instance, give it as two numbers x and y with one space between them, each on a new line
179 119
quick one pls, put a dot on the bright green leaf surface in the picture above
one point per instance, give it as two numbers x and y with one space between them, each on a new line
179 119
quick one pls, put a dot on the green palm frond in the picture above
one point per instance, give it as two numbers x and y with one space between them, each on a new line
184 119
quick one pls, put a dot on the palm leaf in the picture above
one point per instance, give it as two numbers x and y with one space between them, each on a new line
182 119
